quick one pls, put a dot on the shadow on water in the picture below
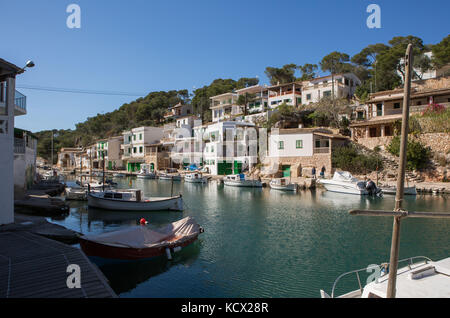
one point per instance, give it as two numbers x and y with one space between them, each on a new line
126 276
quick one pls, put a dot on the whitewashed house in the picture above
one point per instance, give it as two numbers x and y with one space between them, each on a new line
11 104
316 89
225 106
134 143
289 93
25 153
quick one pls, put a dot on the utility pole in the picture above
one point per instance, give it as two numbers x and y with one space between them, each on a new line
52 150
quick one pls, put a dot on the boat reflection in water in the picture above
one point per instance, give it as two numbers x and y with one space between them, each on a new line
126 276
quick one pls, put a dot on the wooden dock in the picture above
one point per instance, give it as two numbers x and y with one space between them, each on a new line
32 266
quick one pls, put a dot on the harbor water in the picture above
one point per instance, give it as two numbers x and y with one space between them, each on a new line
263 242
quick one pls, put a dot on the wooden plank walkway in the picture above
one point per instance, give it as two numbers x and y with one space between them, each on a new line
32 266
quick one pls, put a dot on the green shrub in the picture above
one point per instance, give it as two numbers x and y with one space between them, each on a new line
417 155
349 159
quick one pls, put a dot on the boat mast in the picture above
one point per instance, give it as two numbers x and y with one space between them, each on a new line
395 245
103 161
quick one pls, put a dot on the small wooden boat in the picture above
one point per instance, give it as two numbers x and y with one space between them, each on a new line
393 190
167 176
239 180
139 242
195 177
79 194
131 200
282 184
146 175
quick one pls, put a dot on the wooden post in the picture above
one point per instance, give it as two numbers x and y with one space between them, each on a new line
103 165
391 290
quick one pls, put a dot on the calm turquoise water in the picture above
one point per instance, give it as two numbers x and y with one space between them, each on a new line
264 243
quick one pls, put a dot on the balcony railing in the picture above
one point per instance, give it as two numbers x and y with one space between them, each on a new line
20 100
19 145
321 150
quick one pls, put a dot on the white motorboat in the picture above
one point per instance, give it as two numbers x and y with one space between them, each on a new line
239 180
131 200
344 182
282 184
119 175
393 190
195 177
146 173
96 185
421 278
167 176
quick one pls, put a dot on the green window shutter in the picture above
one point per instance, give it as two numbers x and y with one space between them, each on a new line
140 136
299 144
140 149
281 145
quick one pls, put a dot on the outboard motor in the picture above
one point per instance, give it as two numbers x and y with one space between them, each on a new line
372 188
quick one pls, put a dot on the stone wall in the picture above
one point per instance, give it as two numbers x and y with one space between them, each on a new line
302 166
439 142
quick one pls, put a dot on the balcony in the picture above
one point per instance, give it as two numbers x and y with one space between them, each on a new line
321 150
19 146
20 101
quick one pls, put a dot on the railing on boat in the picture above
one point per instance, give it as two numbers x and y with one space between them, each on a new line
357 271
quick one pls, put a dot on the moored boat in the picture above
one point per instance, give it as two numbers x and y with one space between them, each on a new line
119 175
344 182
131 200
195 177
145 172
167 176
282 184
140 242
423 278
239 180
393 190
79 194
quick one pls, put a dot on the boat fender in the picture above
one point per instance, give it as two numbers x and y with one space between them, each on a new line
177 249
169 256
201 230
143 221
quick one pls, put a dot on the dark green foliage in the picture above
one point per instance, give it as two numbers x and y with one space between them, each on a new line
348 158
417 155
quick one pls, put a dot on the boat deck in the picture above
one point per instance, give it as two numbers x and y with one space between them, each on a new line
32 266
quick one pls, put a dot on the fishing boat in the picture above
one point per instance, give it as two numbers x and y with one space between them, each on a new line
131 200
195 177
146 173
282 184
421 278
239 180
140 242
119 175
96 185
393 190
167 176
344 182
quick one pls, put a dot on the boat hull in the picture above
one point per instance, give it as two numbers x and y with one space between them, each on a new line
146 176
343 188
407 191
154 204
290 187
94 249
244 183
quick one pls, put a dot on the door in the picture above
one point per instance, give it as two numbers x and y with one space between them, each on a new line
286 171
224 168
109 165
237 167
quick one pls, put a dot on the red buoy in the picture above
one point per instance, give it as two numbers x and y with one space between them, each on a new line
143 221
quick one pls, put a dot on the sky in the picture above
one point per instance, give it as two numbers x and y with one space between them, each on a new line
139 46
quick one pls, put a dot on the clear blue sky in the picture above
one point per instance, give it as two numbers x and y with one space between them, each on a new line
142 46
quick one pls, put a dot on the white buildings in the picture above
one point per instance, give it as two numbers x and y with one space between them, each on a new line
295 149
229 146
225 106
134 142
177 111
290 94
25 153
110 150
315 89
10 105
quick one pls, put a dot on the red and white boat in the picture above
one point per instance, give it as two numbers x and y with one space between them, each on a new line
139 242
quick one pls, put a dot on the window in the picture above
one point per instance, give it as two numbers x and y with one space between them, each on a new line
140 149
396 105
273 102
212 148
281 145
140 136
419 103
299 100
299 144
129 138
347 82
134 137
287 100
379 109
129 150
308 96
265 104
318 143
134 149
327 94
